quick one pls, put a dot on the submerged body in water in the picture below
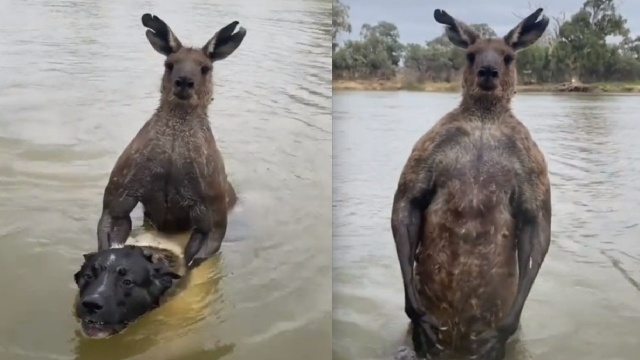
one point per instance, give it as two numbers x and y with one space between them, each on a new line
471 215
145 277
466 266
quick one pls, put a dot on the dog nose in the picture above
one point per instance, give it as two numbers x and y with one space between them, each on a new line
488 71
93 304
183 82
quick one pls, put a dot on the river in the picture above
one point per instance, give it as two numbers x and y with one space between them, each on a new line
79 78
586 302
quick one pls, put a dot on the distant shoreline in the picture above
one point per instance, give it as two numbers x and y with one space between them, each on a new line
398 85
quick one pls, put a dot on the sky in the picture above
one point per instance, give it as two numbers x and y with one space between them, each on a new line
415 22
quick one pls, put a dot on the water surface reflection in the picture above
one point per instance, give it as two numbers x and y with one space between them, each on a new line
585 304
79 80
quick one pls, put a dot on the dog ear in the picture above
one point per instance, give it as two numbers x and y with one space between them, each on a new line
164 275
76 277
149 255
162 278
88 256
164 271
158 266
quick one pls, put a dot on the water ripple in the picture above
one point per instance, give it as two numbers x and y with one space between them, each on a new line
590 277
80 79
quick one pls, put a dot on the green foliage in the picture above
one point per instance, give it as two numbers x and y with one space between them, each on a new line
387 36
582 48
377 54
339 20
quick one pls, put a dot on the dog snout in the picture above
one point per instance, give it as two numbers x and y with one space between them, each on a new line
93 304
183 83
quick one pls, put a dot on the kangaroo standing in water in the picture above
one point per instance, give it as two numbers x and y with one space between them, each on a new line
473 206
173 166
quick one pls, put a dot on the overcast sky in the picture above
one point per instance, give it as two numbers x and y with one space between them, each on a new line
414 18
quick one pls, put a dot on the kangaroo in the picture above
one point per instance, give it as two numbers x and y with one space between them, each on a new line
173 166
471 215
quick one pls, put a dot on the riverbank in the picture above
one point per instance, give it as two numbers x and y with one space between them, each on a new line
399 84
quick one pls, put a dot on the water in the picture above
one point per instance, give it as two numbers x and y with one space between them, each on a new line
77 81
586 301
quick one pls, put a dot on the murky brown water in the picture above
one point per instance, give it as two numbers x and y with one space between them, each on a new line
586 302
77 81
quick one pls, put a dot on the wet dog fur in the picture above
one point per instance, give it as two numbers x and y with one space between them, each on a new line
117 286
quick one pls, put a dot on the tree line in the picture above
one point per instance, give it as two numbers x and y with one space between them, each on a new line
592 45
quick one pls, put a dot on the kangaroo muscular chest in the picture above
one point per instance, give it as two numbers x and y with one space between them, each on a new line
180 170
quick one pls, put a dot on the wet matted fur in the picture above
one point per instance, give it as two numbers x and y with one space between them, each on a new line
185 300
471 214
173 165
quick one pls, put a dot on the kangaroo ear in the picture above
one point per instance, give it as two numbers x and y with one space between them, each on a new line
459 33
224 42
528 31
160 36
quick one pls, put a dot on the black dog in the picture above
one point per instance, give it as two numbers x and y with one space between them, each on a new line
119 285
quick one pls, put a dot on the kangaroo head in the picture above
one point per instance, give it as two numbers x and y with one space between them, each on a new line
188 80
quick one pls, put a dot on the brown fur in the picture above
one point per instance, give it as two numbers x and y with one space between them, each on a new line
466 266
173 165
474 179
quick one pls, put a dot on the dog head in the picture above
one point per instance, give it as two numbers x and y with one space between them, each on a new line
119 285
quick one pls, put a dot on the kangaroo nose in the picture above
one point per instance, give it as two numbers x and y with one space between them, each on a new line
488 71
93 304
183 82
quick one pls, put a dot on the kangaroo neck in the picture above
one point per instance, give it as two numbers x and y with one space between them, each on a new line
485 107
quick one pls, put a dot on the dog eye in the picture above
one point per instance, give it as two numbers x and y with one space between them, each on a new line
87 276
127 282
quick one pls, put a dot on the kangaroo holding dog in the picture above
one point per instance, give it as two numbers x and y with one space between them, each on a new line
471 215
173 166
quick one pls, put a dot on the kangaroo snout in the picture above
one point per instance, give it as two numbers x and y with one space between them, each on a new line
183 82
488 71
183 87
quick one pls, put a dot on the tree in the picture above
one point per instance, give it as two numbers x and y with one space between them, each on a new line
583 48
582 41
377 54
429 63
389 37
340 21
604 18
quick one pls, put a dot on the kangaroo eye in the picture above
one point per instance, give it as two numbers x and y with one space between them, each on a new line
87 276
508 59
168 66
471 57
205 69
